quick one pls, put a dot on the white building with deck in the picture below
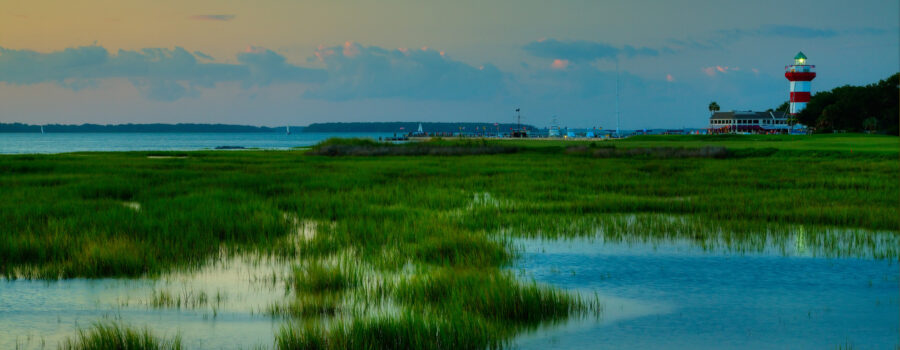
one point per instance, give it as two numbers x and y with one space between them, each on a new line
770 122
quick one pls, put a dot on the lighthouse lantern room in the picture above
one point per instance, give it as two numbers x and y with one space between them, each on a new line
799 74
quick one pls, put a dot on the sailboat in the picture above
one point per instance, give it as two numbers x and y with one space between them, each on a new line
288 127
42 129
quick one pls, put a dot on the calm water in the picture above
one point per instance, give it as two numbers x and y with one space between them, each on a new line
237 292
669 295
676 296
105 142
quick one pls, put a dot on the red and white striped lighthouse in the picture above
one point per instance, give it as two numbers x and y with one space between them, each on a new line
800 74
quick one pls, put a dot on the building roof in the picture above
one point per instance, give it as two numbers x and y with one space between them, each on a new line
749 115
800 55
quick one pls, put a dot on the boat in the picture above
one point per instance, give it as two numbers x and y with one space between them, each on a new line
554 128
288 127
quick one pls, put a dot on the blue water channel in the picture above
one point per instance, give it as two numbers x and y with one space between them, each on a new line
19 143
673 295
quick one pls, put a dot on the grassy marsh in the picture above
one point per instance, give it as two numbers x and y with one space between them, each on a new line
425 238
105 336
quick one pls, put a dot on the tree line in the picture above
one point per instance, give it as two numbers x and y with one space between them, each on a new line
870 108
150 128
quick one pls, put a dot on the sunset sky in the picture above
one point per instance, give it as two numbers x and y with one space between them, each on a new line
284 62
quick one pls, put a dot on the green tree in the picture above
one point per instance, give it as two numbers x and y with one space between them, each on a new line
713 107
784 107
846 108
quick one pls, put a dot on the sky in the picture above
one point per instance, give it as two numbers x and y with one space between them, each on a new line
286 62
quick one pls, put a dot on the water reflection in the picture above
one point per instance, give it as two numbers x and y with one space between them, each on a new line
220 306
718 236
675 294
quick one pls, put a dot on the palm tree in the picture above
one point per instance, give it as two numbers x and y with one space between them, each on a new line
713 107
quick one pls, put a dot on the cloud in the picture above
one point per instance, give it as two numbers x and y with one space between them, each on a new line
203 55
582 51
158 73
352 71
267 67
559 64
716 70
164 90
212 17
356 71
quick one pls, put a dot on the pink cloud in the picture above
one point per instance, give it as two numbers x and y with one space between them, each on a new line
323 52
670 78
350 49
713 70
559 64
254 49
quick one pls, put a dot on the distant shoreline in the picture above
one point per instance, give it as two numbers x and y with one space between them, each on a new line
451 128
142 128
355 127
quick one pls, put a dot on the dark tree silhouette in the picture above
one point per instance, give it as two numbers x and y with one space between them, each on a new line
848 107
713 107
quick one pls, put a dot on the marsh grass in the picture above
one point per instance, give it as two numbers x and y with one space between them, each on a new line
501 300
187 299
367 147
305 306
105 336
408 331
427 238
738 237
316 278
654 152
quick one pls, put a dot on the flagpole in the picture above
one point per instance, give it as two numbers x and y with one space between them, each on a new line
617 98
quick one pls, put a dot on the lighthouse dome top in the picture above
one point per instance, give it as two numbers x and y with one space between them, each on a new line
800 58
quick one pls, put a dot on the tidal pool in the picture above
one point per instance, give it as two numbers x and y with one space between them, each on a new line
672 294
221 306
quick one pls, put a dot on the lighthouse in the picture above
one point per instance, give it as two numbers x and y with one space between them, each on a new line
799 74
